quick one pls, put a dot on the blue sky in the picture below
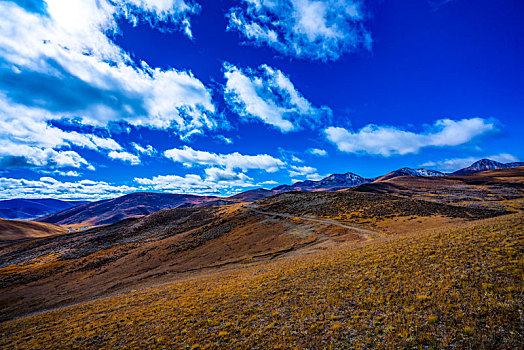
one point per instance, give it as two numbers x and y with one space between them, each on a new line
103 98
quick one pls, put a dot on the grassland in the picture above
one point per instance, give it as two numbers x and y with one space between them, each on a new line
460 288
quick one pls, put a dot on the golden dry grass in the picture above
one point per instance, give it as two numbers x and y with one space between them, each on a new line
453 289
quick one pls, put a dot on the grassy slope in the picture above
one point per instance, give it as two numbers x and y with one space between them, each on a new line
11 230
460 288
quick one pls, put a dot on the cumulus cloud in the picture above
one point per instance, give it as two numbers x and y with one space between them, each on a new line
27 140
188 156
148 150
58 61
449 165
20 156
69 173
217 174
318 152
388 140
301 170
50 187
218 181
125 157
268 95
312 29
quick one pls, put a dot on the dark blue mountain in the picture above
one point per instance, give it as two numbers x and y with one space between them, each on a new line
20 208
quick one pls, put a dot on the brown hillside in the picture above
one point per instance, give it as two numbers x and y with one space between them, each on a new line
179 242
12 230
456 289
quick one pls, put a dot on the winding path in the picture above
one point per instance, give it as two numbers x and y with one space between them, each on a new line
363 233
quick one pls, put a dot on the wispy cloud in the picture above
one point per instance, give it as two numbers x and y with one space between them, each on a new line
268 95
312 29
388 140
318 152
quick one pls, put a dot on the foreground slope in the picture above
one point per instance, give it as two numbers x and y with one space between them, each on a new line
174 243
458 288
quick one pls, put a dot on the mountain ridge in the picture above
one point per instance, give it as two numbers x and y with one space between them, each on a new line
128 206
485 165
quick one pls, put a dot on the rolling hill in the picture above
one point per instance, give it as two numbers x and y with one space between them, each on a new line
13 230
128 206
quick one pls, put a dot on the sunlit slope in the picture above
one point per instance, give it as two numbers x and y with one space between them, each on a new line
12 230
451 289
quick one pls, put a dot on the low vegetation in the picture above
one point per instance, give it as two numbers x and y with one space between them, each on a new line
359 207
459 288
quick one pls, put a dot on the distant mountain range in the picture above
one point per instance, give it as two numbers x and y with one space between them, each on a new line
485 165
331 183
138 204
20 208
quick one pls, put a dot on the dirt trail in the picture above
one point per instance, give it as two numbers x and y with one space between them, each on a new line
363 233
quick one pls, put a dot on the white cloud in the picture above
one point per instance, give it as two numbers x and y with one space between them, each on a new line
453 164
189 156
301 170
69 173
158 11
226 140
296 159
218 181
148 150
27 140
217 174
318 152
60 62
50 187
313 29
388 140
267 94
125 157
269 182
20 155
